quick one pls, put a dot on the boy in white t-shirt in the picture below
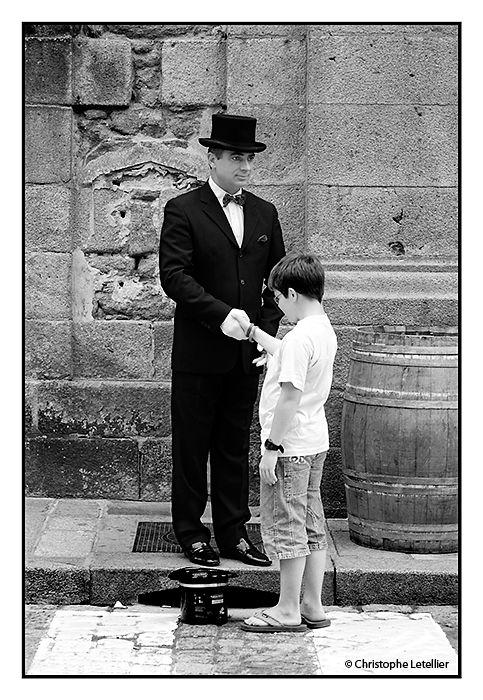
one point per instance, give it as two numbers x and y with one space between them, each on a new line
295 441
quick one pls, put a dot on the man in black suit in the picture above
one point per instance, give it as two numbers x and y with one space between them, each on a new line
215 256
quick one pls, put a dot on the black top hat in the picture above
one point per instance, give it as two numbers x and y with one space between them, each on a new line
234 133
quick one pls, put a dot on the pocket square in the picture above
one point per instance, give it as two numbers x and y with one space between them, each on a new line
262 239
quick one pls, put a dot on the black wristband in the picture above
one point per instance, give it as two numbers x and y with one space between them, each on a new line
269 445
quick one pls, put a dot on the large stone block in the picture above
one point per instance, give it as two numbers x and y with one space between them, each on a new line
290 203
368 69
47 286
155 470
163 341
48 349
368 311
266 72
113 350
48 71
104 408
193 72
48 135
398 29
82 468
382 222
103 71
383 145
283 129
47 218
392 282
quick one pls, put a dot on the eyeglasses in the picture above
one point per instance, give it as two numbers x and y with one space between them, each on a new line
277 298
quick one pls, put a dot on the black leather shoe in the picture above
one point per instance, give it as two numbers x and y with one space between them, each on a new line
202 554
246 552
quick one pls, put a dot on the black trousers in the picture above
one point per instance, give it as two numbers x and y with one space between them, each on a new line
211 415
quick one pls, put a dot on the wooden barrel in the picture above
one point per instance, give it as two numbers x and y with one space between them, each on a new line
400 439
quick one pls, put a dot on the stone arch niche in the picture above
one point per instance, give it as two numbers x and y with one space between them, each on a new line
119 208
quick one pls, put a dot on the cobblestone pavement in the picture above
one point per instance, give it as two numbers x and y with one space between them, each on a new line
145 640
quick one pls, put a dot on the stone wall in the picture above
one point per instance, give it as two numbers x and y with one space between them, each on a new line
362 134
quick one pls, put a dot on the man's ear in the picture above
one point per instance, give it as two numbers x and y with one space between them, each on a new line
292 294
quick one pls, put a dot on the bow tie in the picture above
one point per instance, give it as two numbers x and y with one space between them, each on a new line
237 198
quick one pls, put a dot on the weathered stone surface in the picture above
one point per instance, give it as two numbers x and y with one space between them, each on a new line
111 287
162 31
163 340
392 283
56 584
155 470
113 350
193 72
368 69
367 311
290 203
48 71
48 349
291 31
404 29
48 134
47 218
103 71
370 221
104 408
283 129
275 69
47 282
139 119
82 468
135 158
383 145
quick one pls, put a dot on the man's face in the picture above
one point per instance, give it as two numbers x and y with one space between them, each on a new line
232 170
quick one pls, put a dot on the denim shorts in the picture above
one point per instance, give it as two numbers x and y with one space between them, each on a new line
292 516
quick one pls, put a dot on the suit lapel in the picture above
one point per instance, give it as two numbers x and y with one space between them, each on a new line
212 208
250 219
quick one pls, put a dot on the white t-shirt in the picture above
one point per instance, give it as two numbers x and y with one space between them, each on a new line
305 358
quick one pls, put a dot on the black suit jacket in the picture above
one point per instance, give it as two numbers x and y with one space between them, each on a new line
205 272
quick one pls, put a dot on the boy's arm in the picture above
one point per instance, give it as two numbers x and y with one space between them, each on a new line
267 341
285 411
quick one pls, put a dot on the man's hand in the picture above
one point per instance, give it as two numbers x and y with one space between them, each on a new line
232 325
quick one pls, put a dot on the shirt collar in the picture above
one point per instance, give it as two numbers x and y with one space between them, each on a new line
219 191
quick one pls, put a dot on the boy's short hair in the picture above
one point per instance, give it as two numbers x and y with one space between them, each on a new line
303 273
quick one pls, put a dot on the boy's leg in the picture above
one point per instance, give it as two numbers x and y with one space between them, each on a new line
311 605
287 610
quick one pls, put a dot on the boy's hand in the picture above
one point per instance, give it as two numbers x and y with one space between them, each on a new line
267 467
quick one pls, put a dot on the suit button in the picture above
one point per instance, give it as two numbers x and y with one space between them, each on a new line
242 281
240 255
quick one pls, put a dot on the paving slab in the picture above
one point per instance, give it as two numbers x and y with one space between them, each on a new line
151 641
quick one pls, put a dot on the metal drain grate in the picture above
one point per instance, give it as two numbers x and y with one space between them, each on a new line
160 537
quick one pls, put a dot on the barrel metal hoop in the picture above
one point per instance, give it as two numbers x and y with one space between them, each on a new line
409 531
385 479
399 403
406 349
405 360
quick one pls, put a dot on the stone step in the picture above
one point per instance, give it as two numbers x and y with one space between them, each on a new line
80 552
